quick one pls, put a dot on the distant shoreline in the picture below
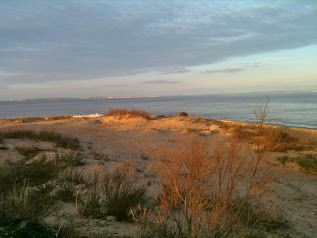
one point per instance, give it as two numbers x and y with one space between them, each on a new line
285 109
154 96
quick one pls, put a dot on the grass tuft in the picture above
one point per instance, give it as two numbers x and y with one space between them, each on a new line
308 161
125 113
272 139
113 193
72 159
59 139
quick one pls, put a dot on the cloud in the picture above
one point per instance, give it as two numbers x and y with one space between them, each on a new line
175 71
103 39
160 81
257 64
6 74
116 85
224 70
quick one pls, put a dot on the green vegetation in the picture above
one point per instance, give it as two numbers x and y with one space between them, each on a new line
35 173
25 229
59 139
308 161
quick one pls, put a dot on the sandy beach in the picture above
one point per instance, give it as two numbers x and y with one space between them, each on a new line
133 139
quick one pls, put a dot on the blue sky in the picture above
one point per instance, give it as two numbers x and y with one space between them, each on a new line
144 48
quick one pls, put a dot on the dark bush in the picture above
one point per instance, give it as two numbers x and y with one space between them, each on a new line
25 229
183 114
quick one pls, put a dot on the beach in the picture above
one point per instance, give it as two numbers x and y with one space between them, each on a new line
119 140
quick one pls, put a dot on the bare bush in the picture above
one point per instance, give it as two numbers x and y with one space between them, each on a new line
205 193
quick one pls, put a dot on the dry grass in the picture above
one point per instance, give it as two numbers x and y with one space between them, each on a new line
208 194
308 162
59 139
113 193
34 119
274 139
28 152
125 113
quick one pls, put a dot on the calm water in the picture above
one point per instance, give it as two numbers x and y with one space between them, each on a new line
290 109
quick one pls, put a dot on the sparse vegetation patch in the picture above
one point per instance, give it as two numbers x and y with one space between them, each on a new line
274 139
210 195
125 113
308 161
113 193
28 152
59 139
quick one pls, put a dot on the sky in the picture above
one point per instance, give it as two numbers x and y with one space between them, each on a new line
87 48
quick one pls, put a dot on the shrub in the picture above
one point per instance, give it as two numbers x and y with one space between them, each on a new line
272 139
59 139
36 173
65 192
73 176
91 204
17 204
308 161
209 194
113 193
124 113
121 190
72 159
25 188
2 144
25 228
183 114
25 201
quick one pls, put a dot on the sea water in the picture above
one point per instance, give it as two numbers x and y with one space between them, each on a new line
297 109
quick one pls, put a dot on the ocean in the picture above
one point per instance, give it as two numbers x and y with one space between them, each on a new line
296 109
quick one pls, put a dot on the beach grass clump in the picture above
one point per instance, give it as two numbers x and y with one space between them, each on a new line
36 173
273 139
120 113
71 159
65 192
74 176
59 139
280 141
113 193
308 162
121 190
